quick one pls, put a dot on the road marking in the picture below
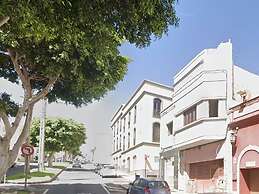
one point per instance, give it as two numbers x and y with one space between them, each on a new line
104 187
45 191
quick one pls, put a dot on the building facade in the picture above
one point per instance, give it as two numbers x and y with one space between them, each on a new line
244 129
136 130
195 143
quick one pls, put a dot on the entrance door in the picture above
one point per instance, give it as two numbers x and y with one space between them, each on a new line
204 176
250 185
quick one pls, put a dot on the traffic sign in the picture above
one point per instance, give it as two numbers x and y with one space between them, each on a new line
27 150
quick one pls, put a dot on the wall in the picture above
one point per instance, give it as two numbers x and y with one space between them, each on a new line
247 134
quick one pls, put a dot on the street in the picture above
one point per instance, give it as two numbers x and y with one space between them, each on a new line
82 182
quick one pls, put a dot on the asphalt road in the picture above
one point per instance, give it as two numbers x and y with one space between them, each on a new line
80 182
74 189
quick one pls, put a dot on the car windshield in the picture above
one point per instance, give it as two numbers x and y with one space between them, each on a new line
157 185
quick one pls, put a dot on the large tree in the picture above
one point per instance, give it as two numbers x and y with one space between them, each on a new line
60 135
67 50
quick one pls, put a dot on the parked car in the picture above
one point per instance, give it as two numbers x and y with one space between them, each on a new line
108 171
148 186
90 167
76 165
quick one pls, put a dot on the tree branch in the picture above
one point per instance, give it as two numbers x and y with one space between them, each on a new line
4 20
44 92
6 121
24 134
20 70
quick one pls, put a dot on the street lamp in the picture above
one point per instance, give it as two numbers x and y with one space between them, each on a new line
233 136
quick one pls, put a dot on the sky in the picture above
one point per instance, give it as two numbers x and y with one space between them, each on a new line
203 24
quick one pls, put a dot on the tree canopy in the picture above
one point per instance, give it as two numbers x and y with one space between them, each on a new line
68 50
60 135
77 41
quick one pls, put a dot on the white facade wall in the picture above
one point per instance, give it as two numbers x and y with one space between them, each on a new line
210 75
141 101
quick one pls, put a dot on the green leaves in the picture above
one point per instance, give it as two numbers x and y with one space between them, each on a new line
7 105
60 135
79 41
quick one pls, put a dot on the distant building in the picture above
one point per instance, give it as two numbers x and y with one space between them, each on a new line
195 143
136 129
244 130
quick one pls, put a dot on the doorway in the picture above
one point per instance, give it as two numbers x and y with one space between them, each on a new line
249 179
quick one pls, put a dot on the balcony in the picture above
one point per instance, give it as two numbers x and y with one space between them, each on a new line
202 131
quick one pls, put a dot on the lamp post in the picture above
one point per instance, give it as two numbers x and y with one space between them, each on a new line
42 135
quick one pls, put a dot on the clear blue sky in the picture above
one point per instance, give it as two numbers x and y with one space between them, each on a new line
203 24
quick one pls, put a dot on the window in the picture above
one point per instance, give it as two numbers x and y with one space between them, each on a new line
213 108
156 159
114 149
128 140
123 143
170 128
156 132
136 182
129 120
128 161
134 136
156 107
124 124
142 183
120 141
134 162
190 115
117 144
113 130
135 114
120 124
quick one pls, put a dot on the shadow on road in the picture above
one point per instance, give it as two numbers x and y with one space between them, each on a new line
18 169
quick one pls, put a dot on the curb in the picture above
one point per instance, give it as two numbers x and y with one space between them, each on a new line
124 187
39 182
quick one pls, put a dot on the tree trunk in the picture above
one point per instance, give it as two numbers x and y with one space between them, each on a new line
4 158
50 159
7 156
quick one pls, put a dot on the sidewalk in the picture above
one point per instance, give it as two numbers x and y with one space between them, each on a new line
33 180
54 172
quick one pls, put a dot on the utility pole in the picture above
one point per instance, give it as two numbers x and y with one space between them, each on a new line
42 135
93 150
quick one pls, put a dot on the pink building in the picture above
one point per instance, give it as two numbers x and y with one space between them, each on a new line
245 142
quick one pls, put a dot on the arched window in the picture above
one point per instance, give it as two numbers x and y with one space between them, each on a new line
128 140
156 132
134 136
123 143
156 107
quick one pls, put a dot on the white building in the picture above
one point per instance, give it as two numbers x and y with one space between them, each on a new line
136 129
195 148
